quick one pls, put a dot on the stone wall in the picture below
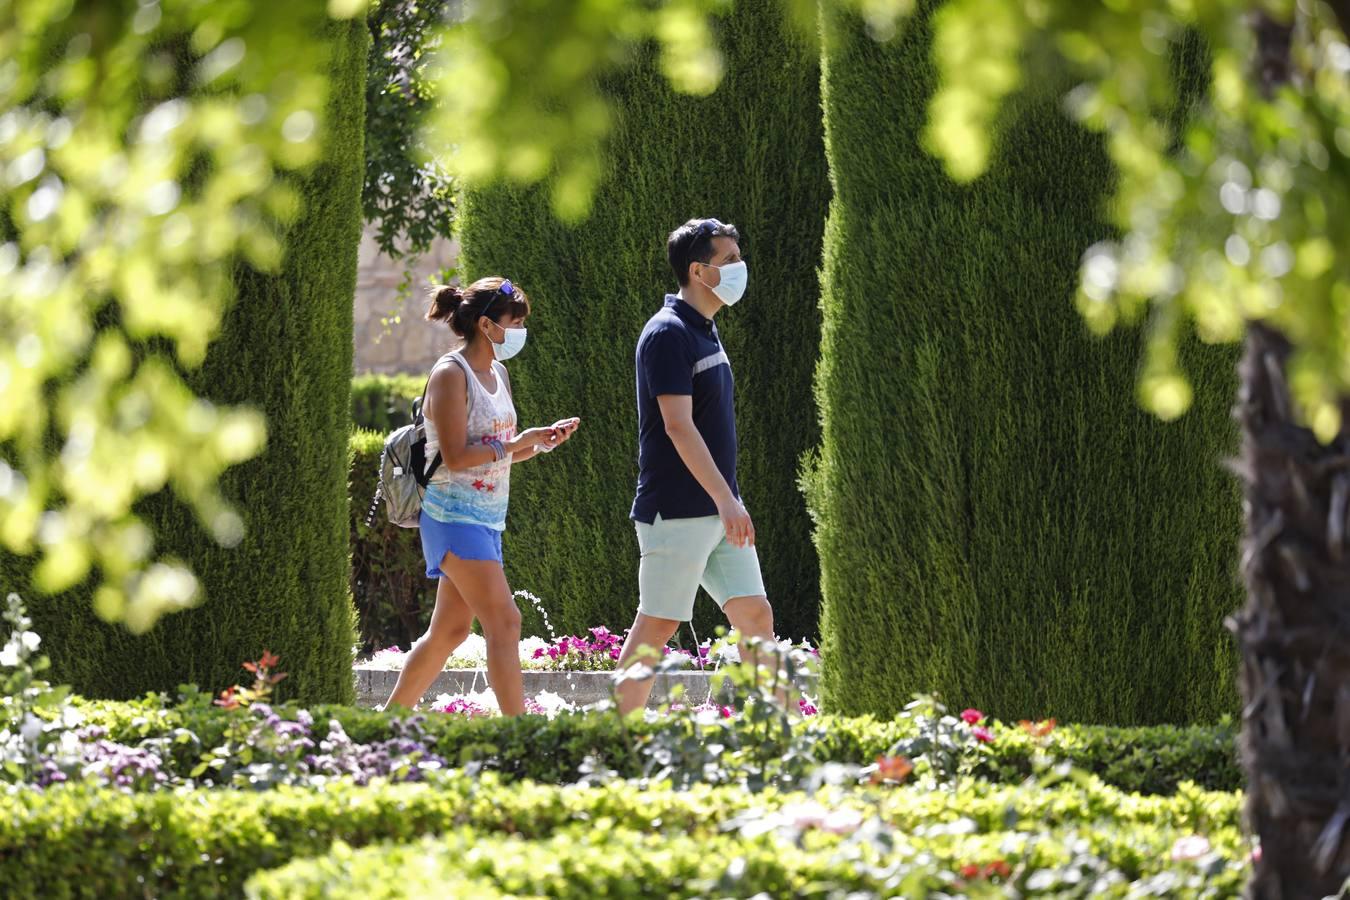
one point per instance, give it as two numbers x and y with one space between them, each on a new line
391 335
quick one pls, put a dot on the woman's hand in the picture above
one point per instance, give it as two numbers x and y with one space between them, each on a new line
544 439
563 430
529 439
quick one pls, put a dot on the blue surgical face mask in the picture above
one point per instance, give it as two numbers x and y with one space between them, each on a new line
731 286
512 341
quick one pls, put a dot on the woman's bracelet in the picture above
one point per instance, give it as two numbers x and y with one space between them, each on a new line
498 449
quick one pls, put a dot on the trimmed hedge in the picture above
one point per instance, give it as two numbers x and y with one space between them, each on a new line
626 862
285 347
70 842
382 403
751 153
393 596
1152 760
997 518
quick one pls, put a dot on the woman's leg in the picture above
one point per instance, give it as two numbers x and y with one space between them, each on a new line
483 586
449 627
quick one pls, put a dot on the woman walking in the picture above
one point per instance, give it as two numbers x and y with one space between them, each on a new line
471 421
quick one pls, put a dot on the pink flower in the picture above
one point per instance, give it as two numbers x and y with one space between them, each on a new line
971 716
806 707
728 712
461 706
982 734
614 652
539 653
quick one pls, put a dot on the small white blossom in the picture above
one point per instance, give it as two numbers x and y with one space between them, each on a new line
1190 848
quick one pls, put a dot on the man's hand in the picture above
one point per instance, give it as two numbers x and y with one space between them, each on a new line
740 530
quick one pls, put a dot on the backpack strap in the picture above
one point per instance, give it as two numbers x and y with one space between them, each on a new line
424 473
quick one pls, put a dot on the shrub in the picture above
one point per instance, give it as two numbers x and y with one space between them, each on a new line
96 843
393 596
997 519
582 862
285 346
751 153
382 403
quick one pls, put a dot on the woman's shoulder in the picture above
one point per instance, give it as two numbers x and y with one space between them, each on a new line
447 373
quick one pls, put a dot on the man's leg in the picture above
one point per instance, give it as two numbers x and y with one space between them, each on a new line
651 633
733 578
753 618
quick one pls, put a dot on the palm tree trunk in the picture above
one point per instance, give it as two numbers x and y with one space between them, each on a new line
1293 634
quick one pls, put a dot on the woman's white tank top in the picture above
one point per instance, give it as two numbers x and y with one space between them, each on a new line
476 496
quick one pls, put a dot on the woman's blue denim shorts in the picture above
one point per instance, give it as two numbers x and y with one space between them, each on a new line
470 542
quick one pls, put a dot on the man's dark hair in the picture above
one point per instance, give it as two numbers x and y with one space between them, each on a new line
693 242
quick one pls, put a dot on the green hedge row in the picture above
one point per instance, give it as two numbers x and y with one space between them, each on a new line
751 153
1152 760
76 842
382 403
285 347
1126 858
998 520
394 598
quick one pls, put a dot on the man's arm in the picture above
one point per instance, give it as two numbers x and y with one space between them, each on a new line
677 411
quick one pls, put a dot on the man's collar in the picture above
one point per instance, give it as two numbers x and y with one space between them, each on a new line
687 312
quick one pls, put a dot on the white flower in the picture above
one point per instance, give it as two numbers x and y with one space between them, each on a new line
552 703
806 814
31 729
30 641
9 656
725 654
474 649
530 644
1190 848
842 821
388 658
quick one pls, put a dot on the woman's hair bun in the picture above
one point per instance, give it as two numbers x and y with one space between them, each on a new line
445 299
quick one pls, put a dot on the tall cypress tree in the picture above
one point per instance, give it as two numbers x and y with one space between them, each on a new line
286 348
997 519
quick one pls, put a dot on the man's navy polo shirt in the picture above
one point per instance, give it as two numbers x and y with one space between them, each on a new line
679 352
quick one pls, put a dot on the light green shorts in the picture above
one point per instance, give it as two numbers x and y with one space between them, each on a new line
678 555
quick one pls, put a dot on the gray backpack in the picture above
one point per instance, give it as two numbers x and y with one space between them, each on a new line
404 471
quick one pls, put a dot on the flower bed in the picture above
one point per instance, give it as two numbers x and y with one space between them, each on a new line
1149 760
231 796
596 651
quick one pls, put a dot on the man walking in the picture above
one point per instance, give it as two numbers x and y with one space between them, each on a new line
692 527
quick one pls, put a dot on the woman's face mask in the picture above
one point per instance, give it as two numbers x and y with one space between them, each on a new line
513 340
